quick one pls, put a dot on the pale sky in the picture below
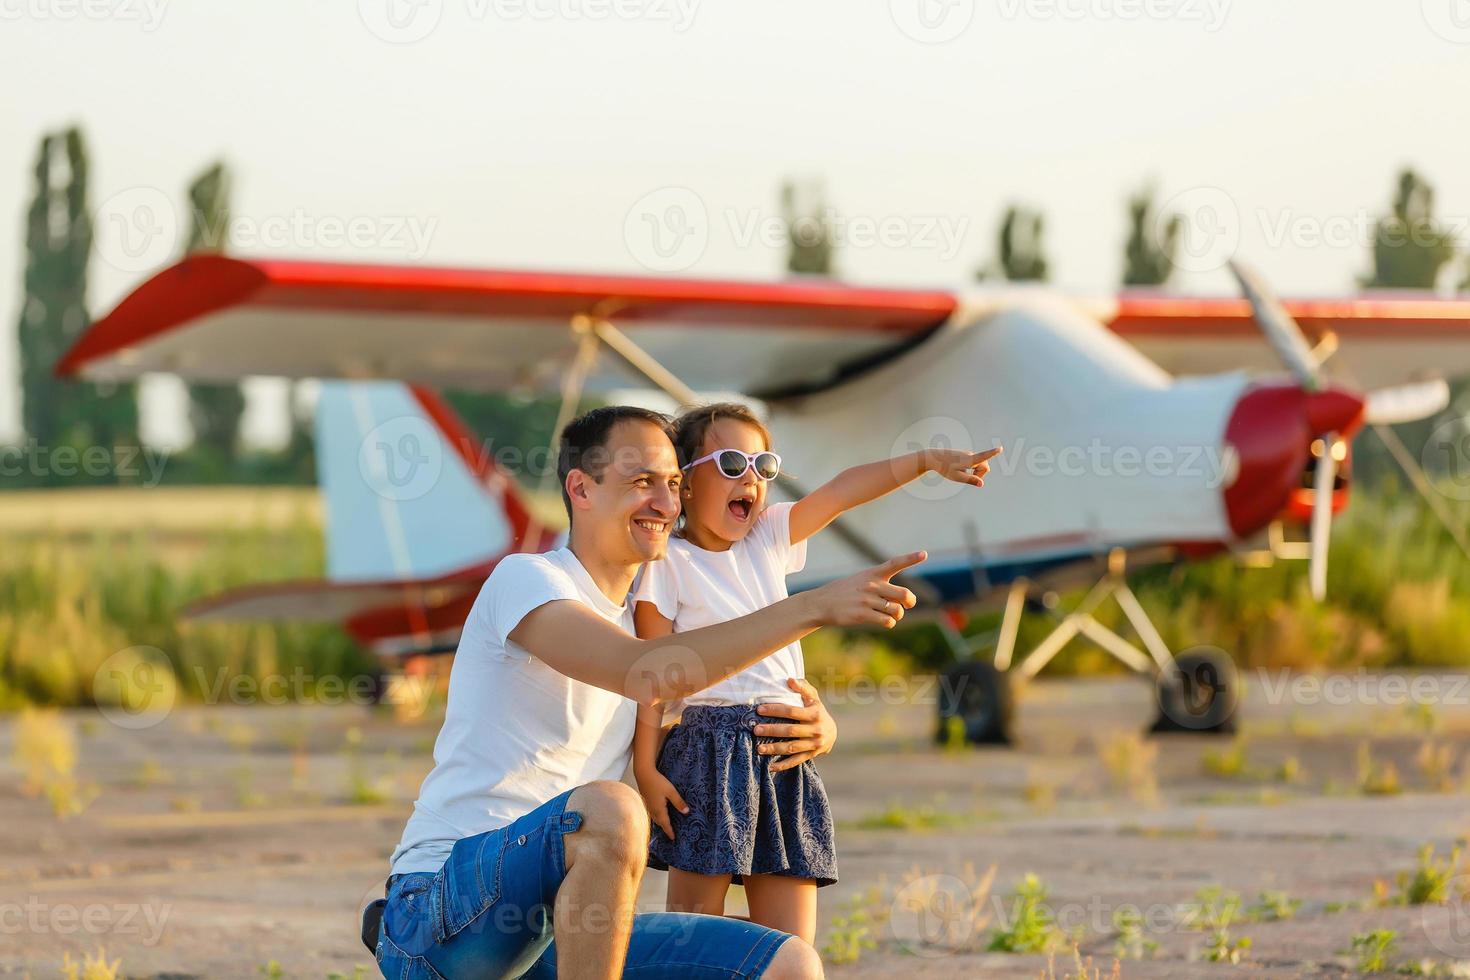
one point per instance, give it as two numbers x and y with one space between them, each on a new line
530 133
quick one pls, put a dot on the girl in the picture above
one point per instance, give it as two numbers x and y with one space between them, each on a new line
722 811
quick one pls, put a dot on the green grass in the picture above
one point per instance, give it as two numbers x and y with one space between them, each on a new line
110 576
1372 952
78 620
898 816
1031 926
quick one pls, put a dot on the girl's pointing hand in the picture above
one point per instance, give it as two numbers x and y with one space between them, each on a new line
959 465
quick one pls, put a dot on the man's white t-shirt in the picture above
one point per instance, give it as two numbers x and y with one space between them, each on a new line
516 732
693 588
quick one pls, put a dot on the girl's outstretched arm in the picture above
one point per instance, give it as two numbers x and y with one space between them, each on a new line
860 484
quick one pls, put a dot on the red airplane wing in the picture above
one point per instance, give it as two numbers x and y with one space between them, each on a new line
1382 338
217 318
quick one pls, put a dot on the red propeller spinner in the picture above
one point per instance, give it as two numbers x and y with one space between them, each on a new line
1272 431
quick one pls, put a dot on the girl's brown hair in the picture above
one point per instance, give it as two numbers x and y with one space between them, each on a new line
691 427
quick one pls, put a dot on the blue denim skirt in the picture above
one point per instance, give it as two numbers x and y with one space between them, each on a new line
743 819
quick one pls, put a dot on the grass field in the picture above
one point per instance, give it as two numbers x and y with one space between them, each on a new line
89 577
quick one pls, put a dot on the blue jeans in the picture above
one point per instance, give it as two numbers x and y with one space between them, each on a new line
488 913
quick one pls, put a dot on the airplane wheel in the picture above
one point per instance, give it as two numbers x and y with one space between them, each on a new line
1201 696
979 696
378 689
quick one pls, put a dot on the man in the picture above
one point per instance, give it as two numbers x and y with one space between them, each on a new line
522 823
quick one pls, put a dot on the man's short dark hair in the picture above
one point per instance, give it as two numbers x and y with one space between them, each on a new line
584 441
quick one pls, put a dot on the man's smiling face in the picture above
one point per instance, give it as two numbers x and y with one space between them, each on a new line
634 501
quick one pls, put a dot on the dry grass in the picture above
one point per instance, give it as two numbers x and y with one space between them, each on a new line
94 618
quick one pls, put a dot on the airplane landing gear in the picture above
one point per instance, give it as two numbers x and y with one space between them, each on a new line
975 703
1198 691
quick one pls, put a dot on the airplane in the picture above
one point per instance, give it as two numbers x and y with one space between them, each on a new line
1124 444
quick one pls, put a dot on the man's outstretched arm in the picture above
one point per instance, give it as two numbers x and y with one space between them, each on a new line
577 642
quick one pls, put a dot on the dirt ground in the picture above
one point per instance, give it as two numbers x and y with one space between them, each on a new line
240 841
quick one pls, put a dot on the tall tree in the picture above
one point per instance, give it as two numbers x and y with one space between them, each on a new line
1409 246
54 312
1020 254
1410 249
214 409
1149 255
811 247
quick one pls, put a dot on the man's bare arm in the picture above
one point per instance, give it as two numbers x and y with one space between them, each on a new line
574 640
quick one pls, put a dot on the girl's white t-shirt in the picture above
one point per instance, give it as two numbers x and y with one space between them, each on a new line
694 588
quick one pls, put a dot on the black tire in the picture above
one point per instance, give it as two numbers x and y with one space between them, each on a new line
1200 696
980 697
377 690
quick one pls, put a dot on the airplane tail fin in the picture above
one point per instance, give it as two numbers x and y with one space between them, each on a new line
417 515
410 494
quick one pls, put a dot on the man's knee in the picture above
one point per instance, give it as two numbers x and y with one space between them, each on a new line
613 821
795 960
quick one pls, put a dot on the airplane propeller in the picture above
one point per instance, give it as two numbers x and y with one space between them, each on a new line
1380 408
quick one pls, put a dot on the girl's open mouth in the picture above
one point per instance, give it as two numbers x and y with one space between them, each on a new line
740 507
